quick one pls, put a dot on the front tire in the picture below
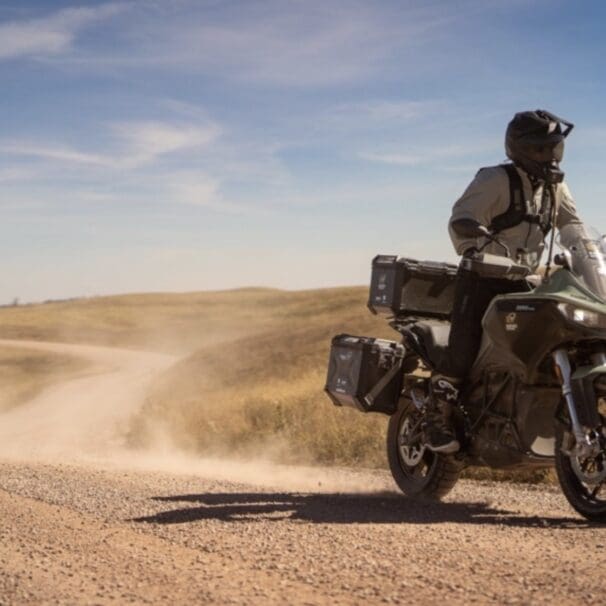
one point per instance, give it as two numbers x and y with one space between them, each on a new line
583 480
417 471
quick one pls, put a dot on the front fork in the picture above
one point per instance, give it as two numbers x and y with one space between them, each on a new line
587 444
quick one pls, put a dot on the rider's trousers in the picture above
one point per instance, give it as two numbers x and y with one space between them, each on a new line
472 298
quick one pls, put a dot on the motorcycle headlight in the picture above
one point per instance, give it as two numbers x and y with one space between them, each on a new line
586 317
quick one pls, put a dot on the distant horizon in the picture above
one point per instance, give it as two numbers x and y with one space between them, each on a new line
195 146
175 292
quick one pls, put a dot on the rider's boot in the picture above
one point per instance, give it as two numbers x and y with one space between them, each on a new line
439 432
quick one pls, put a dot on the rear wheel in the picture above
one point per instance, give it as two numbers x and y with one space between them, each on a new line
417 471
582 478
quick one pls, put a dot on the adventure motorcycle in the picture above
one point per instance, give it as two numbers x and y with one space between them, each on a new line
536 395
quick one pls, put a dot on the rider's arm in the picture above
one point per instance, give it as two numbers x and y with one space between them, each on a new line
486 197
568 217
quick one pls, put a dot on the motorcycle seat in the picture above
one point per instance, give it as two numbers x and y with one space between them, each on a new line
431 340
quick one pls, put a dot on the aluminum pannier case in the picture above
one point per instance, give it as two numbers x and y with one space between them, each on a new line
365 373
406 287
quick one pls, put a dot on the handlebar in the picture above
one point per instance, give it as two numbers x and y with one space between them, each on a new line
470 228
494 266
491 238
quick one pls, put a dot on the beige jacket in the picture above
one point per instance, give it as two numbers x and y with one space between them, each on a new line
487 196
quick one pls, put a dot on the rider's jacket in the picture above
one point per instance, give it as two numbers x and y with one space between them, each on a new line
489 196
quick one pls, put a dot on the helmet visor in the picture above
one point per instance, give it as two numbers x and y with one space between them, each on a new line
543 152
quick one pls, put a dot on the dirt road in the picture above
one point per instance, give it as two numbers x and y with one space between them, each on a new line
83 419
84 520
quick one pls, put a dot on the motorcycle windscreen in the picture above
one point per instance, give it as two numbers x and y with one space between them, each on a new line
587 250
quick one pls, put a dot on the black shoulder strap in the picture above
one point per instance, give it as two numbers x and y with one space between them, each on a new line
545 213
517 211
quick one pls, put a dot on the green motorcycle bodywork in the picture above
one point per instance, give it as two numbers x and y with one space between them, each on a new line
521 330
513 396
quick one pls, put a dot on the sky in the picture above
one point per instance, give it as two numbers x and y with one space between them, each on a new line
200 145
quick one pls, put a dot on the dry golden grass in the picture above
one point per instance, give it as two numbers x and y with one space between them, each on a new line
263 392
24 373
165 322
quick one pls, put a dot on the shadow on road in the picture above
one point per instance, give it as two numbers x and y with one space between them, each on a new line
376 508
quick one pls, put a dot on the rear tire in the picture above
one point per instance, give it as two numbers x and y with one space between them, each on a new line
417 471
583 481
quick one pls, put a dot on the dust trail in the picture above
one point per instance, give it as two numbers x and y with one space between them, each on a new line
85 421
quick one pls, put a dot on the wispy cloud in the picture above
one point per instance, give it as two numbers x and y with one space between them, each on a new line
15 173
143 142
311 43
397 159
52 34
308 43
201 190
51 151
132 170
385 110
313 46
135 144
416 156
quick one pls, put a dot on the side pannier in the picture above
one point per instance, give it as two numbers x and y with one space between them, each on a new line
365 373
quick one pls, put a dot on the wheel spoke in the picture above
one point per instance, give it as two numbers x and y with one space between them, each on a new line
414 438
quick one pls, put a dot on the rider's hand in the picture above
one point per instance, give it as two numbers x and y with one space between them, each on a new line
484 231
470 228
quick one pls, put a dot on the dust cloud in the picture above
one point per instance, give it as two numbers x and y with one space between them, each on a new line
85 422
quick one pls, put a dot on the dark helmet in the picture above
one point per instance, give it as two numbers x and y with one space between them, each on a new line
534 141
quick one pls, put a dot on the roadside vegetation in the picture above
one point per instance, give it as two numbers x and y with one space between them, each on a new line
263 393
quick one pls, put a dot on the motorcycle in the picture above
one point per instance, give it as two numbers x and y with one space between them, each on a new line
536 394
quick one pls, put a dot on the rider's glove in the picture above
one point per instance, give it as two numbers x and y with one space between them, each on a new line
470 228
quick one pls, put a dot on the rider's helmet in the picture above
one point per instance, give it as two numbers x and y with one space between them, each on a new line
534 141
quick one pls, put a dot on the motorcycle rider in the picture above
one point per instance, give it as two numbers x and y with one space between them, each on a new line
512 201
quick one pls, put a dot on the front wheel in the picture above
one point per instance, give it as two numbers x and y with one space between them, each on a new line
582 479
417 471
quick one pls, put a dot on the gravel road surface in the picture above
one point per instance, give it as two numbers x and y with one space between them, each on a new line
99 536
87 527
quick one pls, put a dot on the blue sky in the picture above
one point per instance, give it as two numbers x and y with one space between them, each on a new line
192 145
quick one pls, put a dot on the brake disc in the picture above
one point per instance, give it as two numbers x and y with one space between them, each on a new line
591 471
411 454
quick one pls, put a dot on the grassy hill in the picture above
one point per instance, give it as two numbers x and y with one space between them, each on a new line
183 323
